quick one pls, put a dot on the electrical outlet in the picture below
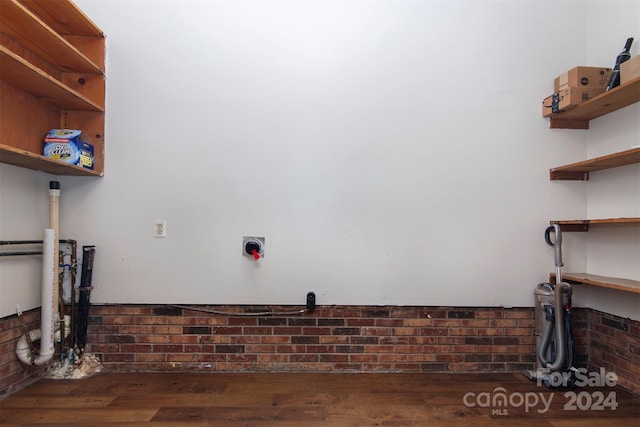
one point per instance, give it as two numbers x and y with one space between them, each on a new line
159 228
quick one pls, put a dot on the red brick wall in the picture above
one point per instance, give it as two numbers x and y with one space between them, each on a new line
345 338
354 339
13 374
614 344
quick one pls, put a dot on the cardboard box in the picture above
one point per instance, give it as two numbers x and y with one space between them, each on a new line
582 77
66 146
568 98
630 70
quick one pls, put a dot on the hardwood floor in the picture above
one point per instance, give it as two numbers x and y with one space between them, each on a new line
308 399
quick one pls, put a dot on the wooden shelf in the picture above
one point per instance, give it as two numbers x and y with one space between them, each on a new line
65 18
19 73
625 285
28 30
26 159
578 117
580 171
583 224
51 77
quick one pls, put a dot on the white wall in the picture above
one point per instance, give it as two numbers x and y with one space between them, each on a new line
390 152
24 214
613 250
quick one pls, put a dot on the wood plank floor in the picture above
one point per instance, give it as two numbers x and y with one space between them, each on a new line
308 399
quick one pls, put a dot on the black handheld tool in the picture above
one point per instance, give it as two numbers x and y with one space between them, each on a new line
625 55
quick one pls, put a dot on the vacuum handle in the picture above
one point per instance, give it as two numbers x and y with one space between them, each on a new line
557 245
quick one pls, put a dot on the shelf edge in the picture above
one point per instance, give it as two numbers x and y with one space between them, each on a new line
575 171
584 224
26 159
625 285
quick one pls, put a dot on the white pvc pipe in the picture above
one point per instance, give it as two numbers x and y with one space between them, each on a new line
54 223
24 352
49 304
49 315
49 292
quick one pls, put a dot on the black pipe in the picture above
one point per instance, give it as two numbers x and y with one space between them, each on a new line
82 319
31 242
21 253
19 242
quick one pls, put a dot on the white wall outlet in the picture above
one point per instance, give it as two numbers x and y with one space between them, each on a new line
159 228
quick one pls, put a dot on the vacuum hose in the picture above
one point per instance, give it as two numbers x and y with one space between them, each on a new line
561 338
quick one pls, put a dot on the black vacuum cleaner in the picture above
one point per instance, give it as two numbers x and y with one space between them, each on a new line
554 344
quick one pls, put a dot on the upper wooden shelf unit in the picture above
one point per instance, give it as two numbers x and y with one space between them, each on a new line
583 224
51 76
580 171
578 117
22 25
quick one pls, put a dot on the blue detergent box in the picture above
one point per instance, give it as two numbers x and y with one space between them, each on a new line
66 146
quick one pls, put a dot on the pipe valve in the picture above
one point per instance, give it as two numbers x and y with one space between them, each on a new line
253 247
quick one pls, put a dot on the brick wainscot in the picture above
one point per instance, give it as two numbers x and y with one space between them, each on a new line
331 339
